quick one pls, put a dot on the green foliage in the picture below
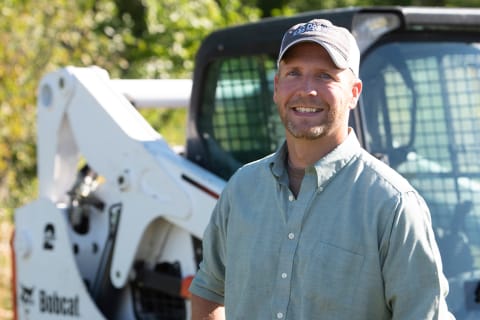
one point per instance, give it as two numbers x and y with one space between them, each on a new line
129 38
37 37
173 32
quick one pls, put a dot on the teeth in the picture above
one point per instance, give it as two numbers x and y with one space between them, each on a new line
305 109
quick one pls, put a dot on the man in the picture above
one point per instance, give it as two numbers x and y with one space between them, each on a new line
320 229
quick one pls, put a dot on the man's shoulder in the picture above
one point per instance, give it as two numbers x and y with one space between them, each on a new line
252 173
248 179
381 172
255 167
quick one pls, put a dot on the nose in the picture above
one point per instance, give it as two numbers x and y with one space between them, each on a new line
308 87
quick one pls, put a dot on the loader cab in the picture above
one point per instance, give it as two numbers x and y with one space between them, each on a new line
419 112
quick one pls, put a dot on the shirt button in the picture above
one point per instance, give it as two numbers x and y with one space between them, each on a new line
291 198
291 236
279 315
284 275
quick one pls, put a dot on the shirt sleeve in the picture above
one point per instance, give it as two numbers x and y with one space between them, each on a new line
415 286
209 282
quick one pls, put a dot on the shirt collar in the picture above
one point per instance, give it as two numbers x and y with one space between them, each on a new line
277 162
324 168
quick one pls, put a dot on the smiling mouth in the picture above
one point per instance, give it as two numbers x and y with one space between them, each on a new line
306 110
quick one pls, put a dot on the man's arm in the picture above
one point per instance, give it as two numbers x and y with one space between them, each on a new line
203 309
415 285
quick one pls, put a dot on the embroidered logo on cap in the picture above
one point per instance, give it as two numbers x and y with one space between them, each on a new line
310 27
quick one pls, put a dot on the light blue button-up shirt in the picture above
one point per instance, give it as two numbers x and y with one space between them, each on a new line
356 243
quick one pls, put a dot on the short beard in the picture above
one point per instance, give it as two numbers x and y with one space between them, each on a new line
319 131
311 134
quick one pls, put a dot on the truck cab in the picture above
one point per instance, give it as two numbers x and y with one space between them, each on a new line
419 112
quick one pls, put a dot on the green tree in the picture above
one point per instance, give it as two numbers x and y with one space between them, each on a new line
37 37
131 39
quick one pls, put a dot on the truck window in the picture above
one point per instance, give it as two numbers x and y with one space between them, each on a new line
238 119
421 103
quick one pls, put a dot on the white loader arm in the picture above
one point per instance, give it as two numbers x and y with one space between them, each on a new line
80 113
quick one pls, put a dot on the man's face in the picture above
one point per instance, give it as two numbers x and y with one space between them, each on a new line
313 96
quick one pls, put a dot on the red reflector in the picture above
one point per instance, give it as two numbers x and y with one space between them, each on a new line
184 292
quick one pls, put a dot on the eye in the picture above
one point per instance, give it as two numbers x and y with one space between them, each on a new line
292 73
324 76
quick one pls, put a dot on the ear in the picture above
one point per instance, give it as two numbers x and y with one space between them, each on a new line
356 91
275 87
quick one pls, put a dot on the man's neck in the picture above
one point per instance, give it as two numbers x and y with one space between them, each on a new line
303 153
295 177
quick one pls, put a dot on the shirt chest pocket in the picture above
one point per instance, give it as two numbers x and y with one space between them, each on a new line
330 276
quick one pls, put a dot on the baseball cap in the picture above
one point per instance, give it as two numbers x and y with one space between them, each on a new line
337 41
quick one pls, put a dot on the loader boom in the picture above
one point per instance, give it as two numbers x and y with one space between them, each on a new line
83 118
